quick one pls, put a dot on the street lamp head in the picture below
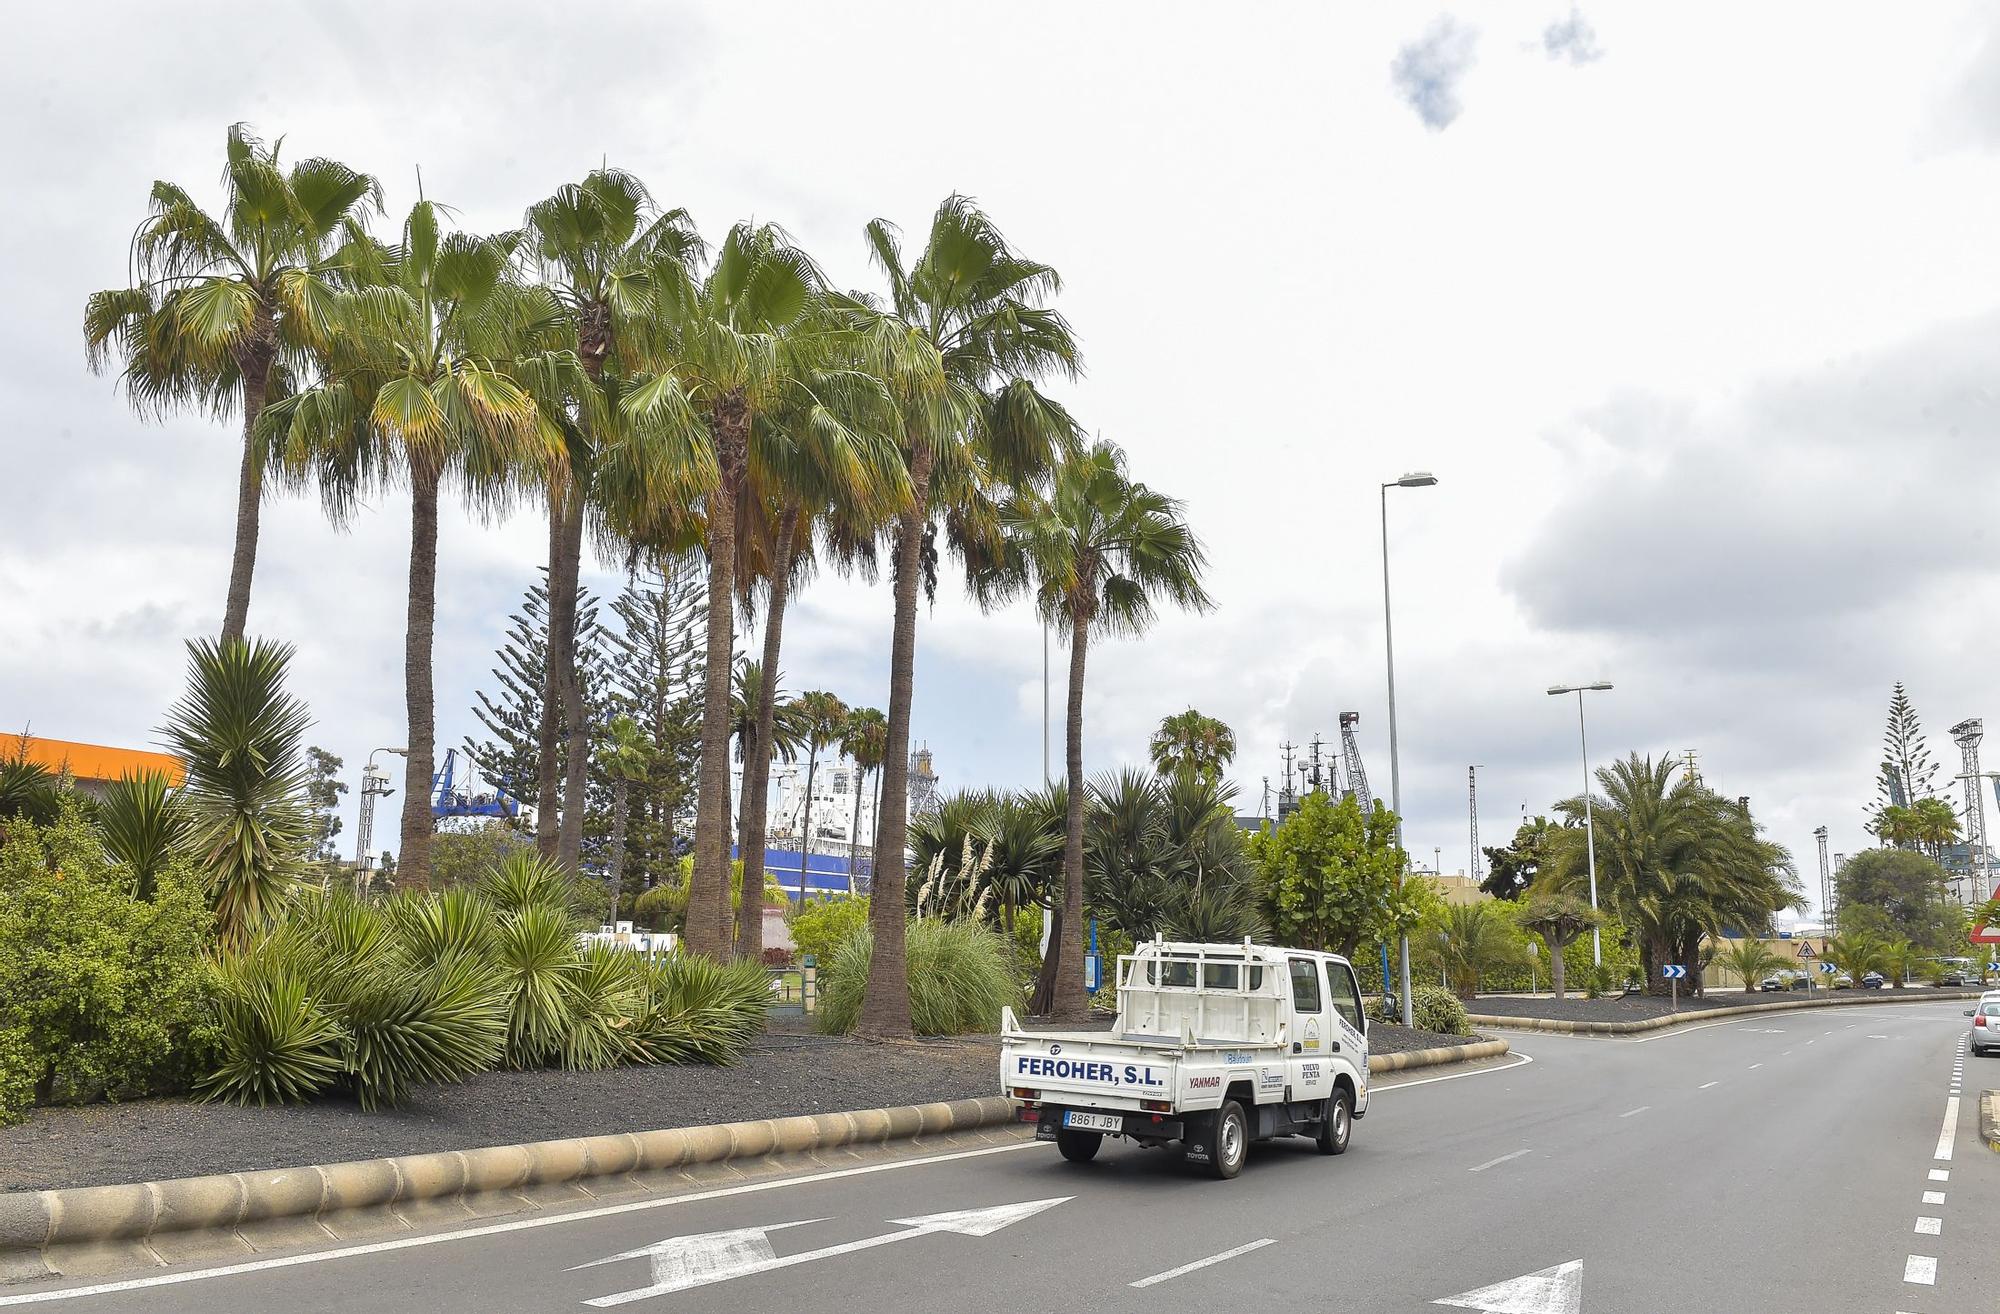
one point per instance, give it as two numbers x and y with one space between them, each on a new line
1578 688
1417 479
1601 684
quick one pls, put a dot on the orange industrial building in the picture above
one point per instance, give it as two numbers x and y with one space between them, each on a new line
92 766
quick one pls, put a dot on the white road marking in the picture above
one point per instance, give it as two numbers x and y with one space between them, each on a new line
1556 1290
1490 1163
1629 1112
745 1251
1950 1129
1244 1249
1933 1197
495 1229
1755 1066
1873 1036
1929 1226
1705 1085
1940 1174
1921 1269
1522 1061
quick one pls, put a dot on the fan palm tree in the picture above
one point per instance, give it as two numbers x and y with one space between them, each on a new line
1750 959
1189 741
603 253
968 324
822 715
241 738
748 341
624 756
1097 552
1900 961
1467 939
227 308
862 739
421 387
1855 954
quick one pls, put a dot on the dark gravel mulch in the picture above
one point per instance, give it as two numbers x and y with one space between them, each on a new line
788 1071
152 1140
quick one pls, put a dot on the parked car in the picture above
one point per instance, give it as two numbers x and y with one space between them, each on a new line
1841 981
1773 983
1873 981
1949 977
1783 979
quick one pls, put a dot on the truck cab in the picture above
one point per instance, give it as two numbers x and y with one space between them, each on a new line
1214 1046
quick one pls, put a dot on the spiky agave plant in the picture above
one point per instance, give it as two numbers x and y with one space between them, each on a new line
537 954
143 822
606 989
459 922
277 1046
526 880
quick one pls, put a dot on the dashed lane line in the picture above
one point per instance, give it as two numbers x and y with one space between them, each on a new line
1921 1269
1705 1085
1171 1273
1927 1226
1494 1163
1940 1174
1629 1112
1949 1130
1933 1197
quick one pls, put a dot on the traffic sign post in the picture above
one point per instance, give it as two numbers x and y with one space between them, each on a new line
1674 972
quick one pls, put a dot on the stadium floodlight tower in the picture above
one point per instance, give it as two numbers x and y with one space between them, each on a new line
1967 734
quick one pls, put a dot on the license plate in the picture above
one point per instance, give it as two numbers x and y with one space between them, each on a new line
1100 1122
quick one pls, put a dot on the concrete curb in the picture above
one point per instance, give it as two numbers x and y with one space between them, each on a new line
1567 1027
100 1229
1431 1058
1989 1119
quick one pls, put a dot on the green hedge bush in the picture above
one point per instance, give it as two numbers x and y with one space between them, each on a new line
820 926
961 976
101 992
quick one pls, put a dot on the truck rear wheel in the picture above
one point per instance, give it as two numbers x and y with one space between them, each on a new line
1230 1134
1338 1123
1078 1146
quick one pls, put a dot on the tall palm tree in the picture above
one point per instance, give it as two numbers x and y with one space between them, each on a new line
1189 741
241 738
744 342
1855 953
421 388
1936 826
764 725
971 329
227 309
1097 552
822 715
862 739
599 247
624 756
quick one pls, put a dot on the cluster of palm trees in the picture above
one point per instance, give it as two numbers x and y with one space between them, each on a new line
1676 862
1928 825
666 399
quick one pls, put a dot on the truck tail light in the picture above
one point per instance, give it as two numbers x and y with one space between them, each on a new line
1023 1093
1156 1106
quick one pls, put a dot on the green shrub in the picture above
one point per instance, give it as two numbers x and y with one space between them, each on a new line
1434 1008
662 908
696 1010
960 978
101 993
820 926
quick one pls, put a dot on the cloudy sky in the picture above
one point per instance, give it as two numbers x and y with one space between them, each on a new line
1693 309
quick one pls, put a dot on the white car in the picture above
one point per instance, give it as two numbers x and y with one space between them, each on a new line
1985 1017
1216 1045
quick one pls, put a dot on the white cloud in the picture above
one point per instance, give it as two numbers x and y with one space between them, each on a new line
1428 70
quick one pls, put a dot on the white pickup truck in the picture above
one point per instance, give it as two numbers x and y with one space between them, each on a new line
1216 1045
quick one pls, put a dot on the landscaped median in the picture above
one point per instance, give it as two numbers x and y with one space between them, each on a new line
92 1230
1989 1119
1591 1027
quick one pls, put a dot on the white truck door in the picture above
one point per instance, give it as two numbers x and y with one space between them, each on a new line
1345 995
1307 1066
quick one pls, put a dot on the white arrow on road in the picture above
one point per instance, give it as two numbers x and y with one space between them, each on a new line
1557 1290
683 1262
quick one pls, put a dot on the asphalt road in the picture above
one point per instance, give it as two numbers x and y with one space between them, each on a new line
1773 1163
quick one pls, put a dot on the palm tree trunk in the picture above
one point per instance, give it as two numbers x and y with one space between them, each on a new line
757 765
255 365
413 856
708 892
548 748
1060 992
885 1007
1556 966
576 751
805 820
620 799
854 831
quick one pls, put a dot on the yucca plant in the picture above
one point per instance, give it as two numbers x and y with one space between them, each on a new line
277 1046
241 737
605 992
538 961
526 879
434 927
143 822
695 1010
406 1029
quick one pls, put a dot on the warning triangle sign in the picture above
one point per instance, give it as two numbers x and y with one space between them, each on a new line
1806 949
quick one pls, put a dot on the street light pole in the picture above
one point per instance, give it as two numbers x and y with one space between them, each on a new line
1589 828
373 786
1418 479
